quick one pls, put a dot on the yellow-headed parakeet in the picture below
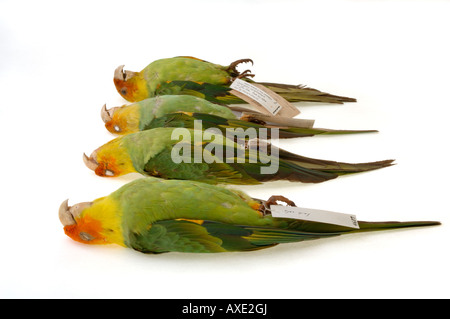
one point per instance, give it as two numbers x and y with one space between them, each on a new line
156 216
135 117
180 153
192 76
158 112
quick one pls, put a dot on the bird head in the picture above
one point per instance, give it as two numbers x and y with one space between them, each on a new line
78 225
110 160
121 120
131 85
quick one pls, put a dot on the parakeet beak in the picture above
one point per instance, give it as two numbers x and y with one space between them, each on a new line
107 114
121 75
91 161
68 214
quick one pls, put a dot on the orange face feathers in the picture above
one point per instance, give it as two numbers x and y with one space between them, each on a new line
108 168
121 120
110 160
95 223
130 85
127 89
87 231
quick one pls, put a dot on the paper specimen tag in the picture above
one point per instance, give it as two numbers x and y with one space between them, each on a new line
263 99
314 215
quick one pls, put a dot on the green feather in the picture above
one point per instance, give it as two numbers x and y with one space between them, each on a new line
153 108
224 124
220 160
187 216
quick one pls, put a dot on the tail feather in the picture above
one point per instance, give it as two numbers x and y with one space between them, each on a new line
339 168
299 93
324 228
266 236
297 168
326 166
305 132
373 226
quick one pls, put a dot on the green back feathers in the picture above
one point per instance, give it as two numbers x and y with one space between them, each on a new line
160 106
162 71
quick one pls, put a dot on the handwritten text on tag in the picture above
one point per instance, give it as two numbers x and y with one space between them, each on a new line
314 215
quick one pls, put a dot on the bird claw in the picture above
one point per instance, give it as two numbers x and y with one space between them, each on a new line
235 73
244 74
265 207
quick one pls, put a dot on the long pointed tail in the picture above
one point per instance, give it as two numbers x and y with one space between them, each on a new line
297 168
299 93
263 237
372 226
339 168
318 171
331 229
293 132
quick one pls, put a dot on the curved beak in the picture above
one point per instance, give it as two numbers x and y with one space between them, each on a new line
106 115
65 216
90 162
68 214
119 74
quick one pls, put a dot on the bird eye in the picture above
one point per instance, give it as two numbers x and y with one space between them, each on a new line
86 236
117 128
123 91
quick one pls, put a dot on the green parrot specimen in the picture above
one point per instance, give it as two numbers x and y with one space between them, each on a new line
156 216
158 112
180 153
134 117
192 76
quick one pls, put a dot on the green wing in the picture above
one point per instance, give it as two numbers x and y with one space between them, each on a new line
208 236
163 165
216 161
175 235
215 93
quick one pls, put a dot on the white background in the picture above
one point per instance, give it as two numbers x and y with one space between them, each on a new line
57 60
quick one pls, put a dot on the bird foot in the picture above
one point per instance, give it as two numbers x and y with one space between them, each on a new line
244 74
265 207
235 73
273 200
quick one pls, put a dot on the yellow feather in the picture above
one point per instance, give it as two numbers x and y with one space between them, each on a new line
140 88
108 212
115 157
127 118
